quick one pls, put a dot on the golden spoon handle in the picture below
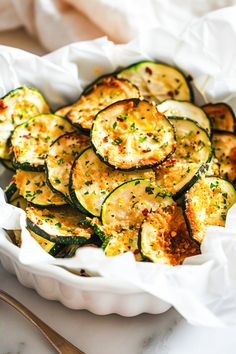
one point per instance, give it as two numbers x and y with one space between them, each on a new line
59 343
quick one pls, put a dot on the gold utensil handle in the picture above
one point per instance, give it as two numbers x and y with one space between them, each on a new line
59 343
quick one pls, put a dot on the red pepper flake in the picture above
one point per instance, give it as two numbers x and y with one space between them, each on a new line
170 93
2 105
149 134
120 119
105 139
136 252
147 150
169 162
145 212
190 78
148 70
27 136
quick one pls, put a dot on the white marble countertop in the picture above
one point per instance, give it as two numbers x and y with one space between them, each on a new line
145 334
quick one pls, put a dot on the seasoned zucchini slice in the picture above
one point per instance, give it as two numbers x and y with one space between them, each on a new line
32 186
172 108
158 81
132 134
60 225
19 202
101 95
224 144
50 247
191 156
63 111
8 164
207 203
164 237
91 181
61 155
127 204
30 141
11 191
16 108
221 115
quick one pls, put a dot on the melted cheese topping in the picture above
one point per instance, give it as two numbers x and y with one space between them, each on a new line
92 180
221 116
63 111
132 134
158 82
60 158
102 94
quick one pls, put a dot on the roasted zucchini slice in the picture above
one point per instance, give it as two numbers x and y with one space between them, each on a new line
63 111
11 190
8 164
207 203
16 108
158 81
164 237
221 115
100 95
190 158
30 141
50 247
60 225
172 108
224 144
91 181
19 202
33 187
132 134
61 155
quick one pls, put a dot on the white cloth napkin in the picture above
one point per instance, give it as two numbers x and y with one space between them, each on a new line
59 22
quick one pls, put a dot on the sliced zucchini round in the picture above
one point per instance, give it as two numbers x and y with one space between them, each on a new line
127 204
51 248
224 145
164 237
132 134
60 225
63 111
100 95
221 115
172 108
15 108
61 155
190 158
31 140
158 81
19 202
8 164
207 203
32 186
11 190
91 181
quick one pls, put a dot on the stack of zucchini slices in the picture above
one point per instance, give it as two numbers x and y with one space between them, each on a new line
133 165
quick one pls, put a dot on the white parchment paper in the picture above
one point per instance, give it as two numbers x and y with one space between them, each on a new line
203 290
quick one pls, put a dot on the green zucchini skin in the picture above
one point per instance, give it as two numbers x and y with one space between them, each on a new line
50 247
11 191
198 172
219 123
207 201
135 102
66 147
96 100
30 141
8 165
170 94
19 202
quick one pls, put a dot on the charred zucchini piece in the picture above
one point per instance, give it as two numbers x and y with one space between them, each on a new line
63 111
50 247
11 191
101 95
8 164
16 108
31 140
192 154
164 237
91 181
207 203
127 204
32 186
61 155
172 108
19 202
221 115
61 225
158 81
224 144
132 134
